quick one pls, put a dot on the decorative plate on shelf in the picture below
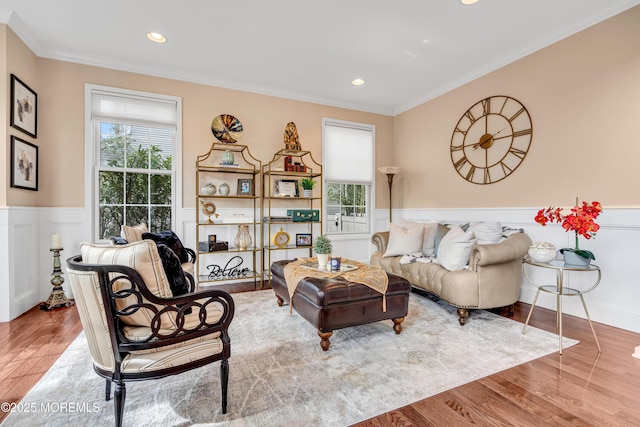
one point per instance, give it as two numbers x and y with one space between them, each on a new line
226 128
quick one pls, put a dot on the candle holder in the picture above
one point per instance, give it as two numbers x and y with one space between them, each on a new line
57 298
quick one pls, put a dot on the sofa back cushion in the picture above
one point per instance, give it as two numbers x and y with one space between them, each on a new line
428 237
404 241
455 248
487 232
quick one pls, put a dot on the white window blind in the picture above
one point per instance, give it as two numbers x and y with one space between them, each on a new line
348 153
131 109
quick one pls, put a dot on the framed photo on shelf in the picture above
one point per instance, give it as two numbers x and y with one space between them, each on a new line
286 188
24 164
245 187
303 239
24 107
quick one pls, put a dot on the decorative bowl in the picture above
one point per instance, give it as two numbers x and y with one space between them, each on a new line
542 254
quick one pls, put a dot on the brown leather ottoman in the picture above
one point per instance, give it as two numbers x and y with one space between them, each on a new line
330 304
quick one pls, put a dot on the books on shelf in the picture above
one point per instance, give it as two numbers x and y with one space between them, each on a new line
277 219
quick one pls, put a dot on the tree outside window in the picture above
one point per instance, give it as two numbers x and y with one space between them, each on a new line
134 178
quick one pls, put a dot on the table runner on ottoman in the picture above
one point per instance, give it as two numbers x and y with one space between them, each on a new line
370 275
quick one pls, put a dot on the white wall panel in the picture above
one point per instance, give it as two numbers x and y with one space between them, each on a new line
26 262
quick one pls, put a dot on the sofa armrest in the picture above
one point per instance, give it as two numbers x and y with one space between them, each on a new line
513 248
380 239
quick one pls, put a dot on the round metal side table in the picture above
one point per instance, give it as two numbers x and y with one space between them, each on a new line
560 290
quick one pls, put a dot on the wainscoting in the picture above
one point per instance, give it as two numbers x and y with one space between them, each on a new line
26 262
613 302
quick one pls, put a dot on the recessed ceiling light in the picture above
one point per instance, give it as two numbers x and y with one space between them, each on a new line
357 82
468 2
156 37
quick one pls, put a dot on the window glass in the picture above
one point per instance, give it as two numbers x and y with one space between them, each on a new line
135 138
348 172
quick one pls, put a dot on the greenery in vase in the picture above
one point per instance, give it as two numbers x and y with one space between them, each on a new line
307 183
581 221
322 245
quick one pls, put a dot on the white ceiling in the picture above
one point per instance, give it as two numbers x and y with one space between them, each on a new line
408 51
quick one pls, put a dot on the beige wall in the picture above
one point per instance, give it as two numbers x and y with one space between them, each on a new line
4 112
583 95
20 61
264 118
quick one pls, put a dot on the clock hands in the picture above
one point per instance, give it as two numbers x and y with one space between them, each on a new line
486 140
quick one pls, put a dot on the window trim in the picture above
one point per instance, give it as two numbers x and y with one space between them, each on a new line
371 186
91 154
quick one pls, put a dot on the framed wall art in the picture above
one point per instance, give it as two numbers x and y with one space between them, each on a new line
286 188
24 107
245 187
24 164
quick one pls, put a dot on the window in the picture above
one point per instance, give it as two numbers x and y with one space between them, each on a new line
348 172
134 141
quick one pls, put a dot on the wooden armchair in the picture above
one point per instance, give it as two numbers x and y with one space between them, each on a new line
136 329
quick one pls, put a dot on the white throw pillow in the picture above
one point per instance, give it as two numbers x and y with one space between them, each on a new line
455 248
404 241
487 232
428 237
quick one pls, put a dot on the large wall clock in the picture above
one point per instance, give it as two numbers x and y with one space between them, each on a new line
491 140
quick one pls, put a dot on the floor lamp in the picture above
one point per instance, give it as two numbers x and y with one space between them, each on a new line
390 171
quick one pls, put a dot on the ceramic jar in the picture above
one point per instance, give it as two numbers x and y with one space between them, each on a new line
243 238
208 189
224 189
227 157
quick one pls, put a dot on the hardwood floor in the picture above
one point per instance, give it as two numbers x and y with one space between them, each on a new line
579 388
30 344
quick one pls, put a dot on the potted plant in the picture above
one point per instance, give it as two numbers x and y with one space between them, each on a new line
581 221
323 248
307 186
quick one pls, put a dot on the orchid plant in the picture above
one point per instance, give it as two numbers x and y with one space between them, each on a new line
581 221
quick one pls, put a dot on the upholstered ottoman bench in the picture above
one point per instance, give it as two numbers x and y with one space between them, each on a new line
334 303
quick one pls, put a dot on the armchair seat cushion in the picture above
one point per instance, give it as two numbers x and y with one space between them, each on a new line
168 357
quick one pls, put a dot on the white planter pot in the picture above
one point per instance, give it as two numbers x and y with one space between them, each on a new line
307 193
323 260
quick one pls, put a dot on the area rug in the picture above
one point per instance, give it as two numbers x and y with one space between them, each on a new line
279 375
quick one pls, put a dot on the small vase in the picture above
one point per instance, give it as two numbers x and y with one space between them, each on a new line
243 238
573 258
208 189
323 260
227 157
224 189
307 193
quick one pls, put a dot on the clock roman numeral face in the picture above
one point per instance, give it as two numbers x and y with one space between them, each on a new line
491 140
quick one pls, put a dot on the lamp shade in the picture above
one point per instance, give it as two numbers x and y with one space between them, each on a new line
389 169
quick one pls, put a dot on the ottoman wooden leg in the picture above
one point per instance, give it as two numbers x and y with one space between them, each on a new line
397 324
280 300
324 340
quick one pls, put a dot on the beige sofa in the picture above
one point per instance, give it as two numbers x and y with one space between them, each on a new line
492 278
